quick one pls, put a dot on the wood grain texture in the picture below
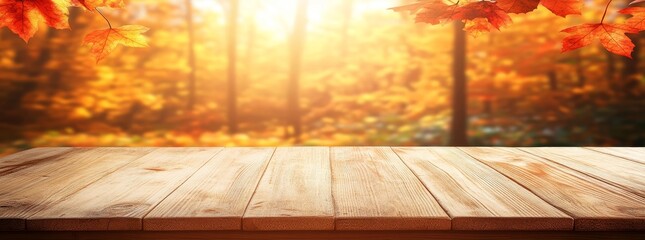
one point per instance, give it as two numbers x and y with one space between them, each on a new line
477 197
324 235
594 204
294 193
31 157
25 192
634 154
621 172
374 190
119 200
215 197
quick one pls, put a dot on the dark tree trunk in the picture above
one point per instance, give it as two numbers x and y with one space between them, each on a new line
293 86
611 66
232 66
553 80
580 70
459 124
191 55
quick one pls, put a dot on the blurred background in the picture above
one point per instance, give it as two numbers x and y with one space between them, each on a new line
329 72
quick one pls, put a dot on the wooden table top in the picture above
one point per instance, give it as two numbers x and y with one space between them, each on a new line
323 189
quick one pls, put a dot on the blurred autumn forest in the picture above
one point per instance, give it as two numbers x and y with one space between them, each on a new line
334 72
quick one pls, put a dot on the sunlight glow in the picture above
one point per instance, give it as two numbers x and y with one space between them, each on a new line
278 15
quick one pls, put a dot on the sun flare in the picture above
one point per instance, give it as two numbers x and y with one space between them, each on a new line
278 15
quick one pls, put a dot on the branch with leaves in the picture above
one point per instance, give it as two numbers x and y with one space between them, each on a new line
23 16
485 16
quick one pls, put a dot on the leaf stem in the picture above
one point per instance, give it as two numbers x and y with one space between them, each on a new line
108 21
605 14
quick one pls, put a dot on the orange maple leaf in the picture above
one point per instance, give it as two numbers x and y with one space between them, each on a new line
611 36
518 6
429 11
638 17
563 7
102 42
92 4
435 13
496 16
22 17
478 26
479 16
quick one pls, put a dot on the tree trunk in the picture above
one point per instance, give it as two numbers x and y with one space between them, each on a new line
297 46
611 66
191 55
232 66
580 70
459 124
553 80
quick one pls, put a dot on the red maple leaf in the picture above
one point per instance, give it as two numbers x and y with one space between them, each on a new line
478 26
435 13
429 11
611 36
496 16
518 6
487 14
22 17
638 17
563 7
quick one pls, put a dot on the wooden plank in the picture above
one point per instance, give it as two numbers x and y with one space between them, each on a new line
477 197
634 154
25 192
594 204
294 193
28 158
615 170
119 200
324 235
374 190
215 197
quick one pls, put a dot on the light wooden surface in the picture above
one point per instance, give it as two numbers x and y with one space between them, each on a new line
119 200
634 154
621 172
594 204
216 196
374 190
477 197
295 192
35 156
23 195
320 189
